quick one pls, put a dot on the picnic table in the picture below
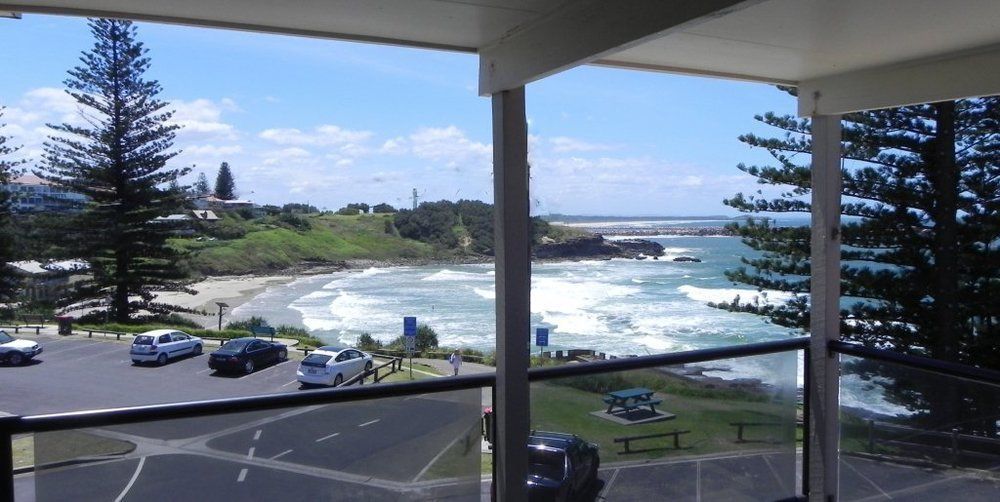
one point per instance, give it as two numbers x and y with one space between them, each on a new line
631 399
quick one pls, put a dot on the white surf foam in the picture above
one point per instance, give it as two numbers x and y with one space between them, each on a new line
746 296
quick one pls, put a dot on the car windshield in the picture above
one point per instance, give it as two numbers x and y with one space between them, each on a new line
4 337
143 340
547 463
319 360
235 345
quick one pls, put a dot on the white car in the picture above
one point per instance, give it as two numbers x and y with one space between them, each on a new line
160 345
330 365
15 351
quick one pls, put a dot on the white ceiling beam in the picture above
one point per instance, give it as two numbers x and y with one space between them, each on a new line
582 31
953 76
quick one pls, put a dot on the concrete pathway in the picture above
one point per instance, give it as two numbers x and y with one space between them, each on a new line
443 366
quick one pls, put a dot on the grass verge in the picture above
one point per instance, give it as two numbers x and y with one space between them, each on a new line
61 446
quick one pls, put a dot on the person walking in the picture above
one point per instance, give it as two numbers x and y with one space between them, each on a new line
456 360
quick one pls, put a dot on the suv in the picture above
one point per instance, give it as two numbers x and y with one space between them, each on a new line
560 466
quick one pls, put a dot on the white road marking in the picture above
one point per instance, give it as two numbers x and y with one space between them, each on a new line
369 423
282 454
135 476
206 370
324 438
289 383
415 397
242 476
256 435
250 453
607 486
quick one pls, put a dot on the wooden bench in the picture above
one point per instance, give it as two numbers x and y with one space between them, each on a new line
628 440
741 425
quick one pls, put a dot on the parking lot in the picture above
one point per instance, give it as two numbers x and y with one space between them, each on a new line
75 373
409 448
424 446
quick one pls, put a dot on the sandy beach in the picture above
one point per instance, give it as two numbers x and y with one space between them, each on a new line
233 291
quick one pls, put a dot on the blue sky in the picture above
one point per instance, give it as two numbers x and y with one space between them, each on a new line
329 122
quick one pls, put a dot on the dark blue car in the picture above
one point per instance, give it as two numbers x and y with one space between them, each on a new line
560 466
246 354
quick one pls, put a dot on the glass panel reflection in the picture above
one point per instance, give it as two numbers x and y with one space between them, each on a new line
414 447
912 434
709 431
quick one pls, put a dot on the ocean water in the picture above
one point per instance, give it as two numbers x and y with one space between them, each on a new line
619 307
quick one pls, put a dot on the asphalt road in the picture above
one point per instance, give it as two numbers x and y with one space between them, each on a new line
74 374
407 448
417 447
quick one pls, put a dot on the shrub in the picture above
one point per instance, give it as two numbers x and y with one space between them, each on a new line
368 343
246 324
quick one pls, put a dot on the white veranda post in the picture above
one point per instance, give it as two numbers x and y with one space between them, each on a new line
824 324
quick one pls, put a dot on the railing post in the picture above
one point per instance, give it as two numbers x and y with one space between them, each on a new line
824 308
512 238
6 459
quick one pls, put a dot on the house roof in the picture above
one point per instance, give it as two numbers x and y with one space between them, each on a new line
29 179
37 267
849 53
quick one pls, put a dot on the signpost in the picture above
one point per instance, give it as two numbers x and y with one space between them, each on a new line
541 338
410 335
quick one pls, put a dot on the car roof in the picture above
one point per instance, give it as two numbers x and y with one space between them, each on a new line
334 349
554 439
158 332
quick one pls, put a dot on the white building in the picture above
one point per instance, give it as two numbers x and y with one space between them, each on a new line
34 194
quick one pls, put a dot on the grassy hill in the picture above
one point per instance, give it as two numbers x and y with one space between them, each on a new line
240 246
245 243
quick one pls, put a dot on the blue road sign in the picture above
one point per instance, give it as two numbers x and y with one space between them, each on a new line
410 326
542 337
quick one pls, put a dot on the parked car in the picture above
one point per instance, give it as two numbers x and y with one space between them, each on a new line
17 352
330 365
246 354
161 345
561 466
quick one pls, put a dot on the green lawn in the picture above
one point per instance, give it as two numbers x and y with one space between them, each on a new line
707 413
331 238
52 447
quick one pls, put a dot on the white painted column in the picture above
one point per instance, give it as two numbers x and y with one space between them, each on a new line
512 236
824 325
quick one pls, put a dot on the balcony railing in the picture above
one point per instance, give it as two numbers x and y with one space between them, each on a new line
695 435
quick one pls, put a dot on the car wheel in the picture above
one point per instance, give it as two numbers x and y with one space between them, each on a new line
161 359
16 358
197 350
339 380
248 367
368 366
282 355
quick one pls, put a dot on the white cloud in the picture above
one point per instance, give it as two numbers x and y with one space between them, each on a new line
323 135
449 145
201 119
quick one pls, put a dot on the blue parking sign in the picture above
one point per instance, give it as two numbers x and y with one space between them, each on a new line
542 337
410 326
